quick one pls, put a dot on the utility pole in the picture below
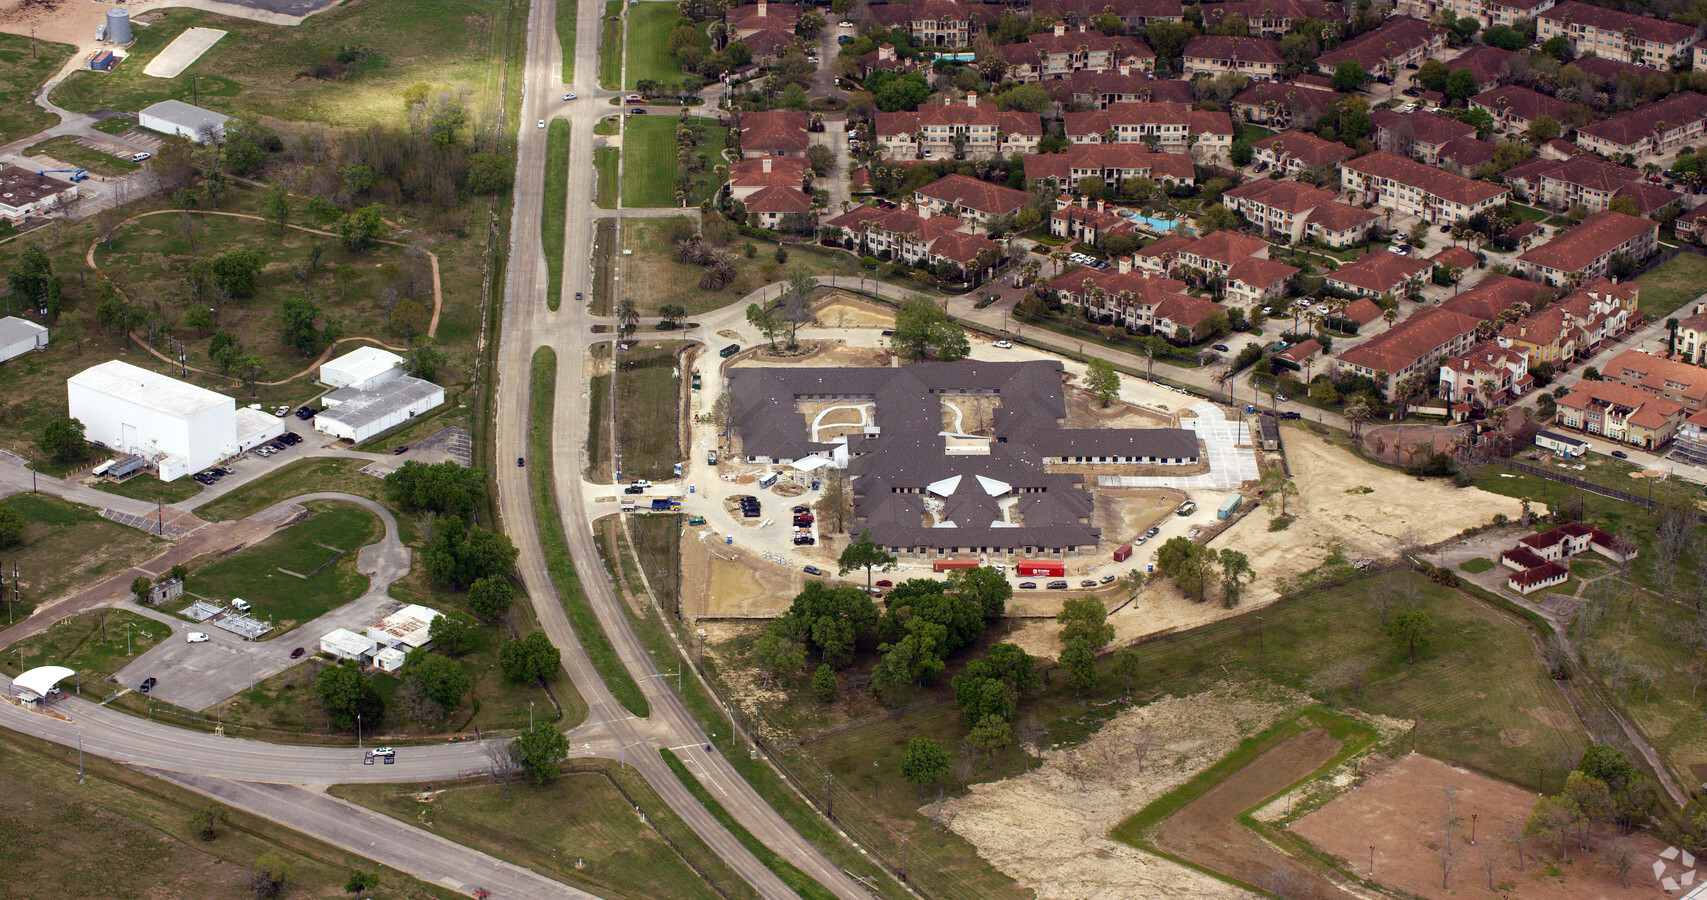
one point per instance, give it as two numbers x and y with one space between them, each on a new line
80 759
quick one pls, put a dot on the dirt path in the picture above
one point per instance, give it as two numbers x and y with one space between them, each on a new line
1206 832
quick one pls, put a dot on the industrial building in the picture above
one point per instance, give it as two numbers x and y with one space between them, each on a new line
363 369
20 336
179 118
178 427
356 415
387 642
24 193
342 643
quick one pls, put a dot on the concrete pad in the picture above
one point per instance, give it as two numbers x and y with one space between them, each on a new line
184 50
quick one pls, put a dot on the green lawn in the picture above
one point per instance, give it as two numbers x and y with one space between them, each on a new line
1528 213
301 476
552 220
263 69
650 173
151 488
610 47
25 65
649 56
607 126
798 881
1678 282
566 15
580 829
1476 566
664 281
648 404
114 125
607 160
68 547
256 573
68 151
96 644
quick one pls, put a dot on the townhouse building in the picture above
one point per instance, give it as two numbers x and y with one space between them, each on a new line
1586 250
1401 41
1515 108
1168 126
969 199
1258 59
1300 154
1375 274
1620 413
1062 53
949 130
1619 36
1292 211
1283 105
1657 128
1113 163
1408 187
1413 346
1418 135
1272 18
916 237
1096 90
1139 301
1087 222
1486 375
937 23
1133 14
1488 12
1586 180
1669 379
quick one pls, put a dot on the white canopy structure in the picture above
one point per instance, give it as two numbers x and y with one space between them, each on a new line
36 683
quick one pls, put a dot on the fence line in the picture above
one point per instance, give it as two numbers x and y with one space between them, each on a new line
1580 484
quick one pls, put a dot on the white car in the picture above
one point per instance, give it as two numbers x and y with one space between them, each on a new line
542 123
1003 345
568 96
196 637
382 751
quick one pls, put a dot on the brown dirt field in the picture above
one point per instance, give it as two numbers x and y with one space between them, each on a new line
970 415
1387 441
734 585
1049 828
1086 411
1125 513
1206 832
842 311
825 354
1400 811
65 21
1332 506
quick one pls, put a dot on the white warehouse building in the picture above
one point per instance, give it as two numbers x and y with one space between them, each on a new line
363 369
356 415
177 426
20 336
180 118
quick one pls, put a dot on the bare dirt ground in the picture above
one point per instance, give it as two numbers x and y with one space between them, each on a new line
1365 509
1049 828
1394 443
1400 811
1086 411
66 21
842 311
735 586
823 353
1206 832
1122 514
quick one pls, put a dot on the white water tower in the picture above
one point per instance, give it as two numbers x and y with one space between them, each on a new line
118 26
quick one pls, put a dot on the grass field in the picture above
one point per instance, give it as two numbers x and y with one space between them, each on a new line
670 282
610 47
648 403
566 15
113 125
648 53
66 149
289 480
798 881
580 611
255 573
607 126
657 546
1651 675
22 72
149 487
607 161
119 834
264 69
68 547
580 829
649 174
1476 566
1673 284
552 219
604 264
96 644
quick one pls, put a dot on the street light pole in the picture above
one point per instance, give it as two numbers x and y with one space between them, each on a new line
530 715
358 731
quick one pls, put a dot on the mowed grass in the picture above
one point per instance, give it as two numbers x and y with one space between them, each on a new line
580 828
298 477
552 219
121 834
25 65
149 487
610 46
264 69
1678 281
68 547
798 881
1476 566
255 573
648 407
566 14
649 175
649 56
652 277
66 149
607 160
91 643
1638 636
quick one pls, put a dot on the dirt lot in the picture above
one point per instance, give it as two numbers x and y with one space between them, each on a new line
1401 810
1366 510
1395 442
736 586
1086 411
1049 828
818 353
1206 832
1125 513
842 311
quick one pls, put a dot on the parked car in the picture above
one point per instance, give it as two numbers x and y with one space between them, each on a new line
1221 348
1153 532
147 684
637 111
306 412
520 462
1028 585
382 751
1620 454
802 510
297 653
196 637
542 123
1107 579
1003 345
282 411
884 582
568 96
400 449
1088 583
1291 415
813 570
1058 585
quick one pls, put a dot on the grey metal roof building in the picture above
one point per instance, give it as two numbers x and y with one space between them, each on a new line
356 415
921 487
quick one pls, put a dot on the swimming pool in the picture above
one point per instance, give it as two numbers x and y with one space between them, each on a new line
1163 226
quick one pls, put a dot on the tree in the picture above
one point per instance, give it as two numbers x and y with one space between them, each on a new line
140 588
424 359
348 696
529 658
824 683
1080 661
444 488
1102 380
1349 76
1235 571
1412 631
225 350
539 750
1276 488
270 876
1127 666
361 882
303 328
361 227
864 554
1460 86
763 318
12 526
987 586
1085 618
924 763
491 597
776 654
1541 130
922 329
991 734
451 634
204 819
33 282
820 158
63 440
275 208
443 679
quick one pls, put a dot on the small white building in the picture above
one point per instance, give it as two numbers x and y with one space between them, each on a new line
390 659
178 427
1562 444
24 193
363 369
342 643
20 336
180 118
409 628
356 415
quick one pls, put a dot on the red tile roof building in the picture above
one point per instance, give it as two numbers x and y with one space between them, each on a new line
1409 187
1171 126
1099 89
1465 378
1588 249
1294 210
1374 274
902 234
1295 153
1419 135
778 132
934 129
1621 413
969 198
1271 18
1087 223
744 20
1258 59
1278 105
1062 52
1399 42
1413 346
1658 127
937 23
1599 31
1497 294
1516 108
1669 379
1110 162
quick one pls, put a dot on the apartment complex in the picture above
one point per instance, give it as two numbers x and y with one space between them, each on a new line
1400 42
1409 187
1586 251
1292 211
1256 58
1169 126
1414 346
1619 36
1657 128
1113 163
1062 53
947 130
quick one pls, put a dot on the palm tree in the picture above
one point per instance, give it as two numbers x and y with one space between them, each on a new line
1488 388
627 314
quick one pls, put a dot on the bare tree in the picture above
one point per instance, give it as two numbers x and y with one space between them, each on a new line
1075 767
1493 857
1514 839
1109 753
1284 882
1143 741
942 816
500 754
1622 854
1448 853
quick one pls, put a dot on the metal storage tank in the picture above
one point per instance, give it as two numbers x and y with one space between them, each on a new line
118 26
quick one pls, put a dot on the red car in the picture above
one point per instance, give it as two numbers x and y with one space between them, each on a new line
297 653
884 582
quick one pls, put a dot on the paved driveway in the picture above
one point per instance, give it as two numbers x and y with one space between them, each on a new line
1226 445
